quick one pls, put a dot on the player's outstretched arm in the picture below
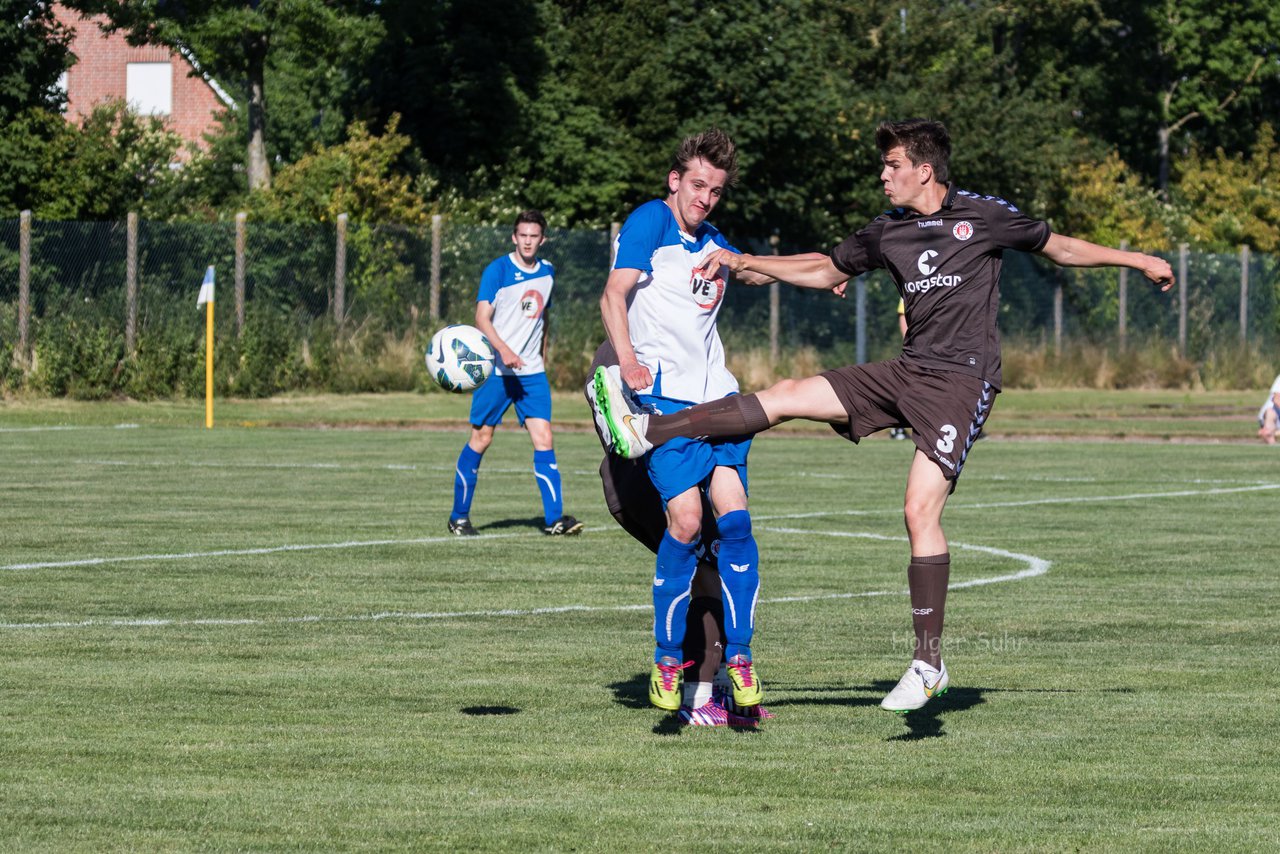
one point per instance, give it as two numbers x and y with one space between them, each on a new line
1074 252
810 270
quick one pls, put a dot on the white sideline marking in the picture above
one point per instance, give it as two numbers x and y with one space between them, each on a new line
62 428
1034 502
352 544
1035 566
324 466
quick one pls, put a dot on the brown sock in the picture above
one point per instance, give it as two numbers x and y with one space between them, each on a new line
927 579
735 415
702 643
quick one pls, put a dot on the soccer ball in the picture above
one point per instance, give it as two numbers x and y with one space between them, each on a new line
460 358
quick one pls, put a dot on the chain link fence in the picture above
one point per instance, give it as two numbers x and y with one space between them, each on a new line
105 308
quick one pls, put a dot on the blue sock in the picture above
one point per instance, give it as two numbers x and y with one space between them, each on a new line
739 561
466 473
672 581
548 477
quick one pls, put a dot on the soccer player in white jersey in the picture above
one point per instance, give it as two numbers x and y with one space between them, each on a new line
515 291
660 312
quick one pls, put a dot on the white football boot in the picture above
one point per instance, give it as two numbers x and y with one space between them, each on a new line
615 407
920 684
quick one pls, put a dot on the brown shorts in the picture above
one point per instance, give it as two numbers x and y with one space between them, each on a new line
944 409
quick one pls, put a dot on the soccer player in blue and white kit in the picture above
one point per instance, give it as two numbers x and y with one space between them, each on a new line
661 319
515 291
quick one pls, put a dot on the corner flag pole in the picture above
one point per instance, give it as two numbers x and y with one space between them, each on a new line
206 298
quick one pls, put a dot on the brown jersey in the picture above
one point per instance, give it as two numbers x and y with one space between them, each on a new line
946 266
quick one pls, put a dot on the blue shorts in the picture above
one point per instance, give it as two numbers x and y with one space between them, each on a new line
530 393
680 464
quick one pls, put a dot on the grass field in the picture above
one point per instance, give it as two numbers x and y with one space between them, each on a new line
259 638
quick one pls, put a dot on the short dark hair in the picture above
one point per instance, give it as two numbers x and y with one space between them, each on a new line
924 141
712 145
530 216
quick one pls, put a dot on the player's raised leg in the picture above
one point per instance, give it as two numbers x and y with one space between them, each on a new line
634 432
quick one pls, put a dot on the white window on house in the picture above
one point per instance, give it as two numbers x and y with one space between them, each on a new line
60 88
149 88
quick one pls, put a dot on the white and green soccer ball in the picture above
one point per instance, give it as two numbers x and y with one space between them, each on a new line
460 358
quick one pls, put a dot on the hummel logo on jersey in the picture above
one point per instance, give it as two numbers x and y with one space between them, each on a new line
740 567
926 269
929 223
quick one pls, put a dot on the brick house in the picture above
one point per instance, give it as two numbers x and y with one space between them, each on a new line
153 79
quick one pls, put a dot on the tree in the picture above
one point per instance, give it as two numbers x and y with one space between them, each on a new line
1178 73
33 54
234 40
1230 200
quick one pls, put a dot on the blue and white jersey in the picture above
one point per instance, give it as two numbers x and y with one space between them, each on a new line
672 311
519 295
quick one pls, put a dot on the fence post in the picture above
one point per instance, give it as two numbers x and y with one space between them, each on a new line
241 219
130 283
1182 299
860 318
1122 302
1057 314
340 273
433 299
1244 293
774 307
24 290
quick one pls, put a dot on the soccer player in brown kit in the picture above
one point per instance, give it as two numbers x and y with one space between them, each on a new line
943 247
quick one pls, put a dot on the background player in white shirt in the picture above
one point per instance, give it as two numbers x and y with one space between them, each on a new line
515 291
1269 415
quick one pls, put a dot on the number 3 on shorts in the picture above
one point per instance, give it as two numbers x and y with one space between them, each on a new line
948 440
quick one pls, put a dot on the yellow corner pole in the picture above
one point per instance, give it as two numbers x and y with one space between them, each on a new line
208 365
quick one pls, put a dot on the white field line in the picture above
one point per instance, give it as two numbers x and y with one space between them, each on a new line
1035 566
65 428
1035 502
523 470
161 464
266 550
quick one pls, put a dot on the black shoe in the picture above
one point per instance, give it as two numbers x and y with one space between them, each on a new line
565 526
462 528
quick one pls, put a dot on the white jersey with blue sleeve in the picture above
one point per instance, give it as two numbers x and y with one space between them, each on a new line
672 311
519 295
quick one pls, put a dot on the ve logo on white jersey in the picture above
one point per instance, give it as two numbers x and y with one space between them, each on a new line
926 269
